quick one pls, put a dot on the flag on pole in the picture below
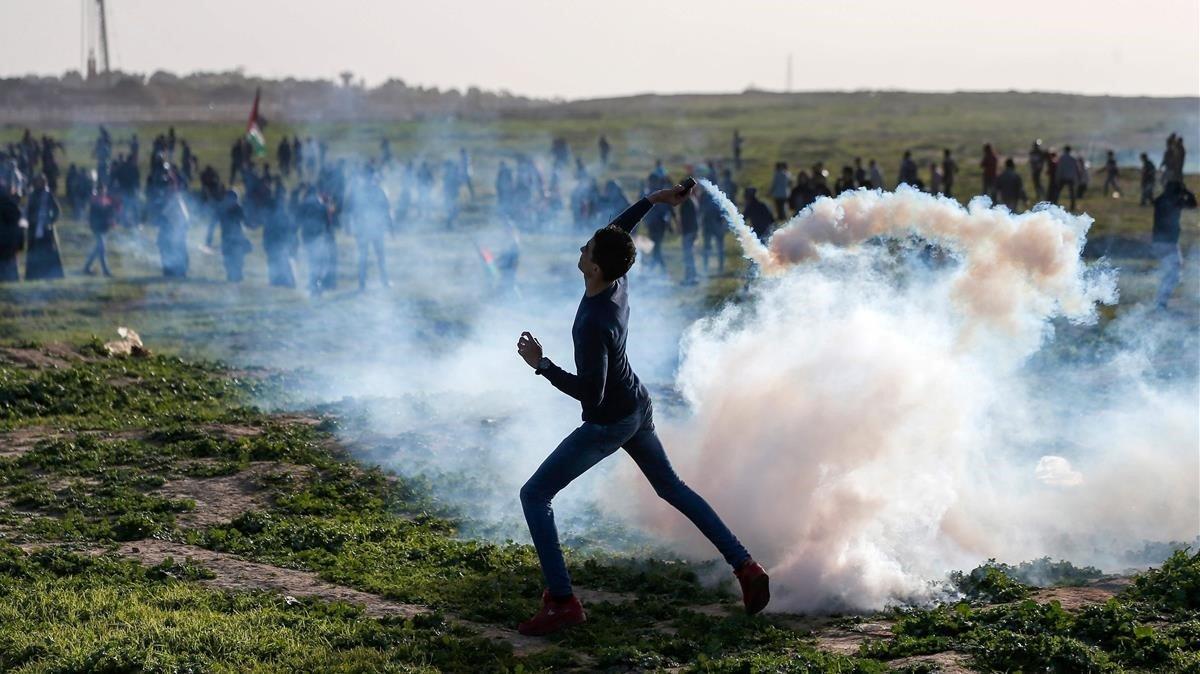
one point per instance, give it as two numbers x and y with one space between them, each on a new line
254 134
488 259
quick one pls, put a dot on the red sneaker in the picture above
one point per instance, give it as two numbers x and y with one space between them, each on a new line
756 586
554 616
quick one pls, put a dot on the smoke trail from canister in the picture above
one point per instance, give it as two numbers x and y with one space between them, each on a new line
888 405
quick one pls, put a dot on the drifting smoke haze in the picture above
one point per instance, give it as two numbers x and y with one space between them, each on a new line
875 415
883 407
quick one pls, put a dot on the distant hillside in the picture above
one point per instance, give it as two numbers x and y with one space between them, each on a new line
806 125
124 97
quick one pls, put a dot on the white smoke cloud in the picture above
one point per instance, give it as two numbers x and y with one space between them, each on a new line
1057 471
878 413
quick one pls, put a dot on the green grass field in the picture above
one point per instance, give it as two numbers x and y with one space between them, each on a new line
156 514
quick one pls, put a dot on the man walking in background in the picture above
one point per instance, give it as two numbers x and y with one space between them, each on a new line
1066 176
1165 237
949 171
1111 173
689 226
1149 173
1010 189
781 185
1037 163
757 215
990 165
617 413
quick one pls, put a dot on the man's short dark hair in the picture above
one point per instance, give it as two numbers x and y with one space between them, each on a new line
613 251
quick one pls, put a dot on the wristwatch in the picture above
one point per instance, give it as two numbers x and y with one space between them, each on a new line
543 365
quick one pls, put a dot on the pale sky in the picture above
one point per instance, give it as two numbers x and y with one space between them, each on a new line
573 49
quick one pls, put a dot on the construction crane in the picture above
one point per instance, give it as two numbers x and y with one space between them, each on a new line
94 15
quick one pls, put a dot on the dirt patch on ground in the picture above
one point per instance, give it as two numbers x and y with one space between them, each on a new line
521 644
947 662
220 499
846 640
235 573
1075 598
231 431
48 356
21 440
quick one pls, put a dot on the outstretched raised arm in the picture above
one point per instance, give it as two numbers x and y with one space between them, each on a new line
672 196
630 217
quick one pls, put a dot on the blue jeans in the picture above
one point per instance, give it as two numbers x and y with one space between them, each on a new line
584 448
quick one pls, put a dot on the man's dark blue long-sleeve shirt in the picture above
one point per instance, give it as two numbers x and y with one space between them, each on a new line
604 383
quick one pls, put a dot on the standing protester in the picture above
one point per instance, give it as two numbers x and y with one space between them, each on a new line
1037 162
50 162
1084 174
612 201
464 171
658 222
424 186
908 171
102 151
451 186
949 173
234 244
42 260
1149 173
76 195
298 156
237 159
279 238
1066 176
737 149
315 224
728 186
1111 173
935 178
371 218
189 161
844 183
990 165
1165 237
102 215
801 195
1010 189
757 215
283 157
781 185
617 412
173 220
712 224
1051 173
818 184
12 233
689 225
1173 159
605 148
860 174
876 175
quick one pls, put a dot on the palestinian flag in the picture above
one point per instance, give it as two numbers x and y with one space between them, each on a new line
254 134
488 258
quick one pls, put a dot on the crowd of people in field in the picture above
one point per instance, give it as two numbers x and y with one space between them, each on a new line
310 199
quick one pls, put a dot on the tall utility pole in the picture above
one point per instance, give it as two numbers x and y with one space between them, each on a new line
789 74
103 35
